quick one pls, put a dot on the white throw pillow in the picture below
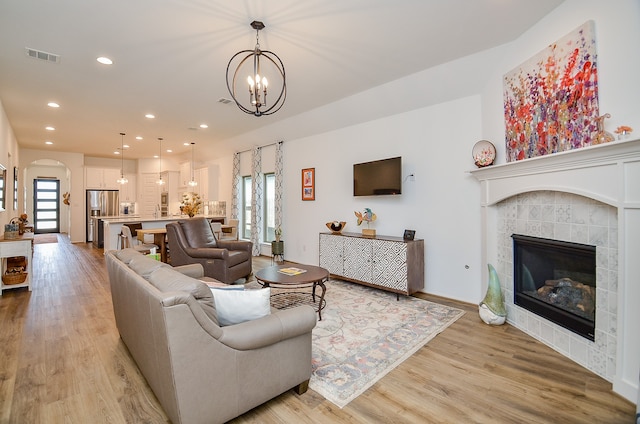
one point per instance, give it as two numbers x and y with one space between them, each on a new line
236 306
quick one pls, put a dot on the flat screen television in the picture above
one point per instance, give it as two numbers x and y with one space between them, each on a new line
379 177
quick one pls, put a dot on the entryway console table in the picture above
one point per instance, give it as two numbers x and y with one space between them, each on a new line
22 246
388 263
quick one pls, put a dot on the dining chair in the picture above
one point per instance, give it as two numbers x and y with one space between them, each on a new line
233 235
127 240
216 227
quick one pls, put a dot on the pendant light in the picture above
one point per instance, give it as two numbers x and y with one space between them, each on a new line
122 180
193 181
160 182
249 62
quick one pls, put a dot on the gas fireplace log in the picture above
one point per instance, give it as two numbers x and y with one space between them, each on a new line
569 294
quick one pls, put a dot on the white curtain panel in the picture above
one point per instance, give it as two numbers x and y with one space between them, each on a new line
278 183
256 199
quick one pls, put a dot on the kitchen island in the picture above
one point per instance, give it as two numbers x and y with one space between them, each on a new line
113 225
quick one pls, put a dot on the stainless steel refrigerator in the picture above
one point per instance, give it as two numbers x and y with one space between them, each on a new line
100 203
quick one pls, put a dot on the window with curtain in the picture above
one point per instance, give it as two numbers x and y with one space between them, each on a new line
246 208
269 218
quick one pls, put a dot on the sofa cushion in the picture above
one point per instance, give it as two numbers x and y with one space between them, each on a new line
144 265
166 279
126 255
236 306
198 232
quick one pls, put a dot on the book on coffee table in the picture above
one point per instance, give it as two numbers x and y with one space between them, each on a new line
292 271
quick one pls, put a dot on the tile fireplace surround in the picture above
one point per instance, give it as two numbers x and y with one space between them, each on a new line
591 196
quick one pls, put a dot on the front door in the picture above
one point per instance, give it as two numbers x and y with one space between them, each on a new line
46 205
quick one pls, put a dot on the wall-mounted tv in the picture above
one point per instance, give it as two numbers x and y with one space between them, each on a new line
379 177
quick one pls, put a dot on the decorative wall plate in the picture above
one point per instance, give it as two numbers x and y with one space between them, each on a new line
484 153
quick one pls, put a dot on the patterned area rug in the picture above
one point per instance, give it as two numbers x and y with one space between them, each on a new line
365 333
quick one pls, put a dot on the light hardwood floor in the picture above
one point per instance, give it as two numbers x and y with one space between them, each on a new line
62 361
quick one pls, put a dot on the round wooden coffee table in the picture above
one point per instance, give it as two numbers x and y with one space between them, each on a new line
301 276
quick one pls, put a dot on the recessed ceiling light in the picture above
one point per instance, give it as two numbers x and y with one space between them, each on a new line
138 137
117 152
48 142
49 128
149 116
125 146
169 151
155 156
105 60
53 104
186 143
203 126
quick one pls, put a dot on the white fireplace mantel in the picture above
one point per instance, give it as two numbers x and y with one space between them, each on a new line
609 173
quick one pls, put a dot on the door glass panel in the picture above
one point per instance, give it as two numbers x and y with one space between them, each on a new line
47 225
44 195
46 215
46 205
48 184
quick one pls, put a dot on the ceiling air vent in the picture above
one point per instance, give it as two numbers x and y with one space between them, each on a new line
224 101
38 54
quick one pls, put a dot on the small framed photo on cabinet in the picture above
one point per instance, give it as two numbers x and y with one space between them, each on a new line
409 234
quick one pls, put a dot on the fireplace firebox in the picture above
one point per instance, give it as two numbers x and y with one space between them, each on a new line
557 281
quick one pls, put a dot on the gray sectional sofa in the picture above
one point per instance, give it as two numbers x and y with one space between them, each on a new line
199 371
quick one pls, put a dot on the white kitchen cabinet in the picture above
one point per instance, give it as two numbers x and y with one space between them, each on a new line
102 178
388 263
174 198
202 178
129 191
185 174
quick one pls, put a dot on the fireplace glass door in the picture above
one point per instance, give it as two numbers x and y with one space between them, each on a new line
556 280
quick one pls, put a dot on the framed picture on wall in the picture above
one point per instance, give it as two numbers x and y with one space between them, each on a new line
309 184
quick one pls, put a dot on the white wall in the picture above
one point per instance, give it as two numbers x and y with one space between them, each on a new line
617 24
8 158
462 103
441 192
59 172
74 163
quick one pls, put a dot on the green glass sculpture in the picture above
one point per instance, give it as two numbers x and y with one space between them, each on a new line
492 310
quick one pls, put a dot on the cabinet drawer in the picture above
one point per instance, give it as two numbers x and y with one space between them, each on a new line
15 248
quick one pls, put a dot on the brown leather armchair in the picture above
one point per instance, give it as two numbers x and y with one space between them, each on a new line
192 241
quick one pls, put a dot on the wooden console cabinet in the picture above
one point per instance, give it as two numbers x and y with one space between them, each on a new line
388 263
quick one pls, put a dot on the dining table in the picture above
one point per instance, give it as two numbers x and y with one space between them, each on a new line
159 239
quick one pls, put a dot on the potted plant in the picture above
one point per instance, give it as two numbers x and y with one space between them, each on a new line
278 233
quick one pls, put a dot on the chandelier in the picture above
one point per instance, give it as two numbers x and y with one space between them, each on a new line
256 82
160 181
193 181
122 180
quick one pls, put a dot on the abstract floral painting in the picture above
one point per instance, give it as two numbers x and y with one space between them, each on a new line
551 101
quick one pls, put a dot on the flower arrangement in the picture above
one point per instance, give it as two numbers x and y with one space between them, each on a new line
623 130
191 204
22 219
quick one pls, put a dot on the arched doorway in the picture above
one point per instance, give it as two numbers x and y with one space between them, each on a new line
46 180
